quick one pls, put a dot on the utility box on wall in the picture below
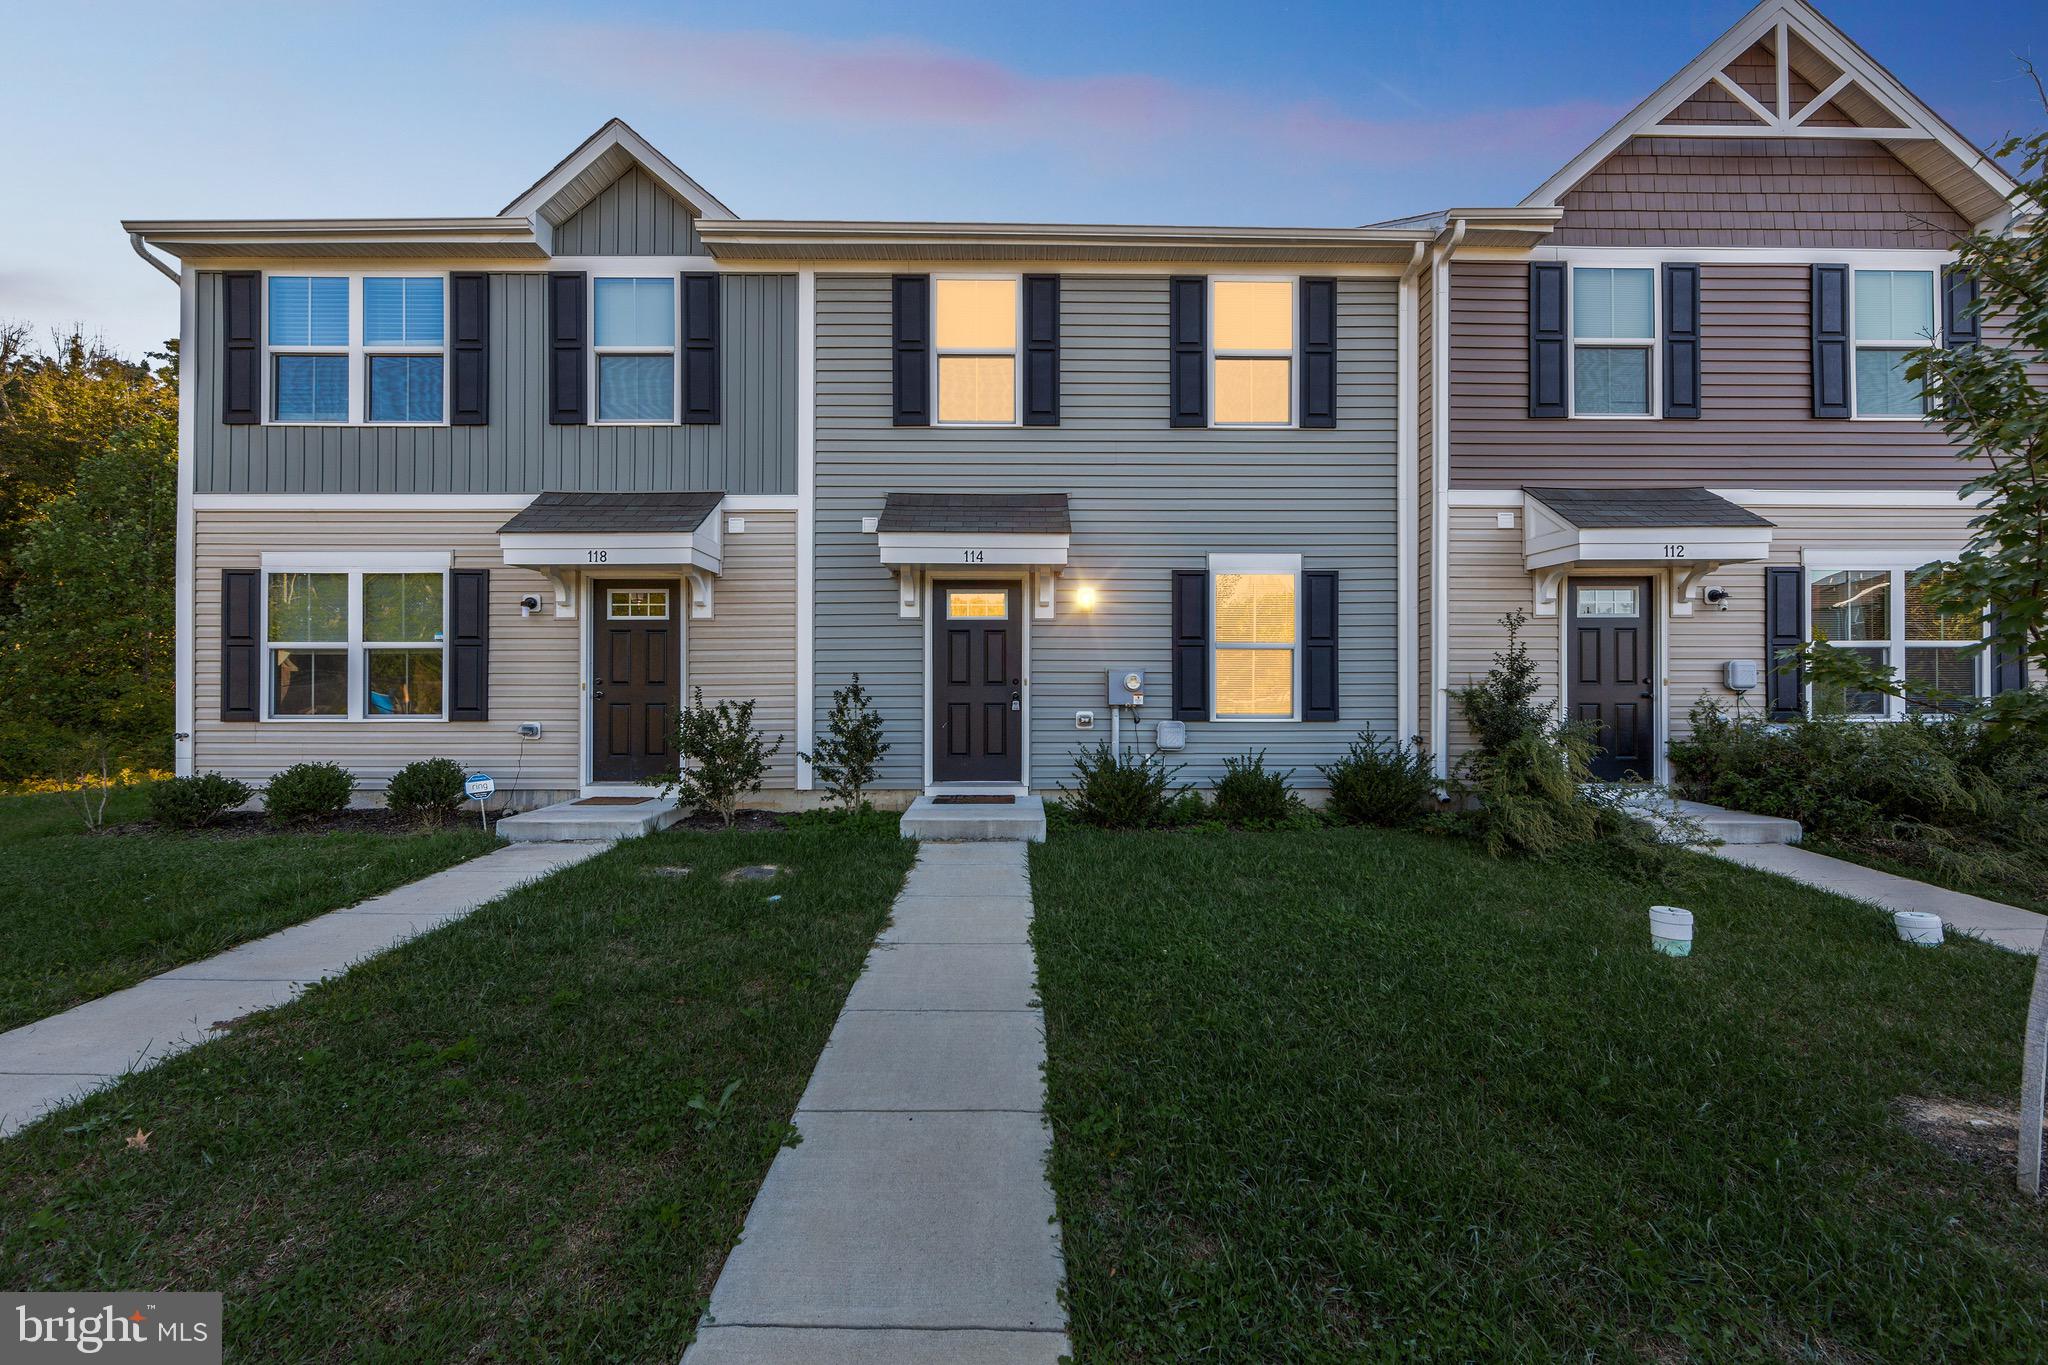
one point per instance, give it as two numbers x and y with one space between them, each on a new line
1126 687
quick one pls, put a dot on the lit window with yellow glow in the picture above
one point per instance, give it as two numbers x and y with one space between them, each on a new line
1255 616
975 338
1252 339
965 605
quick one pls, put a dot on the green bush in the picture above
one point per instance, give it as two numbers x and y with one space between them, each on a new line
850 753
1378 781
723 757
1249 796
194 802
428 789
1122 791
308 791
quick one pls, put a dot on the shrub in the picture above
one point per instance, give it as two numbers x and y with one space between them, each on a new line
847 758
1380 782
428 789
723 757
1249 796
308 791
1122 791
194 802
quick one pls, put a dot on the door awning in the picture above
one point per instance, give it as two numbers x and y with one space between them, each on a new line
919 532
1690 530
569 535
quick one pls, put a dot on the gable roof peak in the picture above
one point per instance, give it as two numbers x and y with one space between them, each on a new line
599 160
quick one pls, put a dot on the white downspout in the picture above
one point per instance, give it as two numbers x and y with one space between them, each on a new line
1408 476
1439 480
142 250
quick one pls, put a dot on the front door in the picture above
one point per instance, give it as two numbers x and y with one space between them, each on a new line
977 682
635 658
1612 666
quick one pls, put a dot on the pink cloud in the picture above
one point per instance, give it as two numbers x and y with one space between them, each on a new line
903 82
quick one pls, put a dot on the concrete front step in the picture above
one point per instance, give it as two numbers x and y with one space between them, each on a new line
928 819
575 822
1739 827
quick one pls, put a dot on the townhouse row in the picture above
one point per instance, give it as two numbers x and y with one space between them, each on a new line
509 489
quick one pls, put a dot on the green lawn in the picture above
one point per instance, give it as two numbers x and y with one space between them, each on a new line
532 1134
1354 1095
82 915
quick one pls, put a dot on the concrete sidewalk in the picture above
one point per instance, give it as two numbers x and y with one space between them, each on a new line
53 1061
2008 926
913 1224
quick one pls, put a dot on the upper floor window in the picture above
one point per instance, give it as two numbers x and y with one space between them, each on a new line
1886 616
1892 314
324 368
1614 337
1251 352
633 342
974 331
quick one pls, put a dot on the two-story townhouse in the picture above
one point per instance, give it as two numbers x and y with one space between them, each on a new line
509 489
1664 413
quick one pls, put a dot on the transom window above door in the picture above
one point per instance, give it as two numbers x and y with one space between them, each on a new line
963 604
1251 344
633 347
1614 337
643 604
975 324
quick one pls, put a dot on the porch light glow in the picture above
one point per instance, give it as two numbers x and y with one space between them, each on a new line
1084 597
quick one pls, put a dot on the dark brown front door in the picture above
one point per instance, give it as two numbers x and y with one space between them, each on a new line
635 657
977 682
1611 671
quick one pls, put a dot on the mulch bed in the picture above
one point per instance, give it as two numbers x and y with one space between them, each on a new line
250 824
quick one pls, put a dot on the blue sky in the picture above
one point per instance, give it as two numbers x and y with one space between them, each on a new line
1188 112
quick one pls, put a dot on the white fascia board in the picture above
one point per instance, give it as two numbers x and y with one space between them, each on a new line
554 550
934 549
370 561
1654 545
535 203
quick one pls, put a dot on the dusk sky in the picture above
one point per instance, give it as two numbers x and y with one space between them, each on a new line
1192 112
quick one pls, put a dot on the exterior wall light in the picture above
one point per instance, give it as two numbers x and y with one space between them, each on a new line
1084 597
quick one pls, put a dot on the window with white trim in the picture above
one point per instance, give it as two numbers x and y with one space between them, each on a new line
1251 352
357 349
1614 340
355 644
633 349
1891 315
1254 603
975 325
1886 616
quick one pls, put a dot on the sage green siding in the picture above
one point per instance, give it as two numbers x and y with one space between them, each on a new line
1146 500
634 217
752 450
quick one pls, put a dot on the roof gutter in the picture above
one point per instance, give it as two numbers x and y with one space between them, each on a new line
142 250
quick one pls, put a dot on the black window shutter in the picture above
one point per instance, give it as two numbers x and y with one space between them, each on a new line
700 350
241 355
2008 671
469 644
1190 644
1681 341
1188 341
1961 328
567 343
1831 341
1549 342
1041 350
911 325
1784 628
241 653
469 349
1319 353
1319 642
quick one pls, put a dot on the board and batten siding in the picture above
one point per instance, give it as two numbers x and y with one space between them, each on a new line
1756 428
747 649
635 216
1145 500
752 449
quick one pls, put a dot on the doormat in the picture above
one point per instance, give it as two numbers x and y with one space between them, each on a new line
611 800
974 800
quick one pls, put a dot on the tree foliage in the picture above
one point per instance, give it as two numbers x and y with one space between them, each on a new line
850 753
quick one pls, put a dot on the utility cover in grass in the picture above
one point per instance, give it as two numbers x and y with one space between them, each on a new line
755 872
672 871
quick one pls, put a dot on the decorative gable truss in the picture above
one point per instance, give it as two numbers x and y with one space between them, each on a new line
1784 72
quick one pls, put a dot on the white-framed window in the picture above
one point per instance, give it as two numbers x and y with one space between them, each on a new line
636 604
633 349
1253 329
361 638
1614 341
1254 637
1891 314
356 348
1882 612
976 322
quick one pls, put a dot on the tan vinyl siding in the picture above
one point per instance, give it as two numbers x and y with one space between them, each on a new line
1757 428
1755 192
634 216
748 647
1487 580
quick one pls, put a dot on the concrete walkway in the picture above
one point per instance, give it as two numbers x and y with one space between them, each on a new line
2008 926
913 1225
53 1061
